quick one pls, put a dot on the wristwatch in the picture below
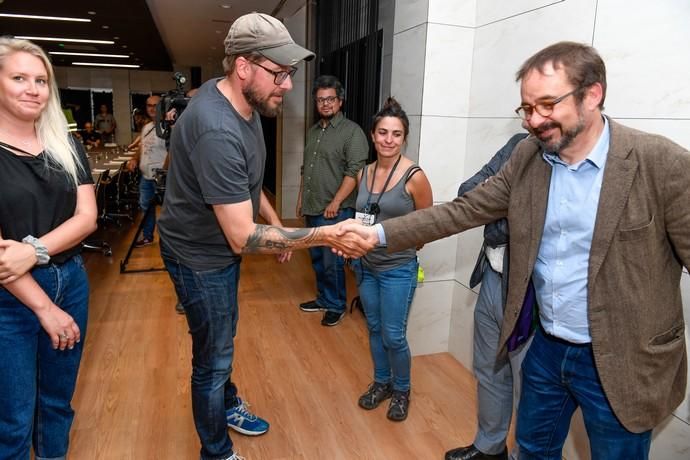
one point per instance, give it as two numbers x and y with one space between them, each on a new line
42 256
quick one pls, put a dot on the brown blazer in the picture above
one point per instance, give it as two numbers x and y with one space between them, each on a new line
641 241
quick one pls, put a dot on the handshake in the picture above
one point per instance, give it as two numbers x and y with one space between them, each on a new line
350 238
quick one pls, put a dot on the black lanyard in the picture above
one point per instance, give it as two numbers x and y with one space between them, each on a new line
373 179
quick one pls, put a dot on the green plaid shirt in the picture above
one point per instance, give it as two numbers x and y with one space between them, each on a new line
331 153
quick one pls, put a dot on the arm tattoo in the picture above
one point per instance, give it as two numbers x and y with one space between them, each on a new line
268 239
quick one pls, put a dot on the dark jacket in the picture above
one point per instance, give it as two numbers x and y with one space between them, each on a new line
495 233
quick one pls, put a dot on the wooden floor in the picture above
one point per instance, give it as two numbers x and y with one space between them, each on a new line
133 394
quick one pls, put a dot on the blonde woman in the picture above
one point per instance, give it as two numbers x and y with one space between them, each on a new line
47 208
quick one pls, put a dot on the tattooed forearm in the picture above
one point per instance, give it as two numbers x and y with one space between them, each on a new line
268 239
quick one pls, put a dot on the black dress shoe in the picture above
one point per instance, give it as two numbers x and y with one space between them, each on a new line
472 453
311 306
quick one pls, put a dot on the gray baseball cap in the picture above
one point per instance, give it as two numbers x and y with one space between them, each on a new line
266 35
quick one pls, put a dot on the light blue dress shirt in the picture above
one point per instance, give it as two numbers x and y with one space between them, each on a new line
561 269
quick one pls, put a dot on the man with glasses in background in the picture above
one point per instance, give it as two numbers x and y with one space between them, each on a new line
336 149
599 235
150 156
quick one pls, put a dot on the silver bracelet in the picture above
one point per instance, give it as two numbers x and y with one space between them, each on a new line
42 256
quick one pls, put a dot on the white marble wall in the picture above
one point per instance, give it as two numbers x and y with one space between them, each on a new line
294 121
454 64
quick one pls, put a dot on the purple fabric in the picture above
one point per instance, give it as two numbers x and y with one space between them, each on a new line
523 327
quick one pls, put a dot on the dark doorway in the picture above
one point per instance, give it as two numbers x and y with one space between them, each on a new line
78 102
138 110
102 97
350 47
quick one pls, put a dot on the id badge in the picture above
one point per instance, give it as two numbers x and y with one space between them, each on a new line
366 218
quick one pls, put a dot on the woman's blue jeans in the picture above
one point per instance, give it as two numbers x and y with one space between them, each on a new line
386 297
209 298
36 381
557 378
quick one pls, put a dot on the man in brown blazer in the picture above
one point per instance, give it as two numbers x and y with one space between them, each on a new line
599 216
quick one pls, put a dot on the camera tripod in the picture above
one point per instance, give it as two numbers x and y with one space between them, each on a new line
123 263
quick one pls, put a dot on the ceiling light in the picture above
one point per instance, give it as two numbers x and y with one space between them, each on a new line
105 27
64 53
92 13
97 64
225 6
44 18
71 40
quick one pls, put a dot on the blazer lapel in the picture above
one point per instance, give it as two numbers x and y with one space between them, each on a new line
615 190
540 198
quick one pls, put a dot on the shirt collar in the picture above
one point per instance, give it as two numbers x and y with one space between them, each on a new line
335 121
597 156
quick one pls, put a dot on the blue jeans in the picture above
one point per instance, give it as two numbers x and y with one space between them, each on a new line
209 299
557 377
36 381
386 297
147 191
328 267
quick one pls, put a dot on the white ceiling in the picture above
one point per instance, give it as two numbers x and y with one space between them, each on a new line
193 30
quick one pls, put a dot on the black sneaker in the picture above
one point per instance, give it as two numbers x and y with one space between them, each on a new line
331 318
400 403
311 306
375 395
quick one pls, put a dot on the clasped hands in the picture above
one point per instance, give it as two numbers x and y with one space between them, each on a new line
16 258
350 238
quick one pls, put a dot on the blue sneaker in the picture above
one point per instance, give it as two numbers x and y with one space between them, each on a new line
241 420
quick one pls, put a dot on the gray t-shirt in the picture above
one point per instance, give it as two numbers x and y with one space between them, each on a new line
392 203
216 157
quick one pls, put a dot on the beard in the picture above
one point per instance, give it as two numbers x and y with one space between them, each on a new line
327 117
567 136
262 104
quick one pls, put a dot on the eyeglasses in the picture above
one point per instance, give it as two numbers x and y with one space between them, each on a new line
278 76
325 100
543 108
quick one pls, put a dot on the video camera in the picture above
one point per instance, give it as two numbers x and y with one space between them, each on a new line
160 177
174 99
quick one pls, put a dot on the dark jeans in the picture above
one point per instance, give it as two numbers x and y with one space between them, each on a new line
328 267
147 191
36 381
209 298
558 377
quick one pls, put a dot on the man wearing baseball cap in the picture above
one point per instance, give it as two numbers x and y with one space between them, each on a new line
213 197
